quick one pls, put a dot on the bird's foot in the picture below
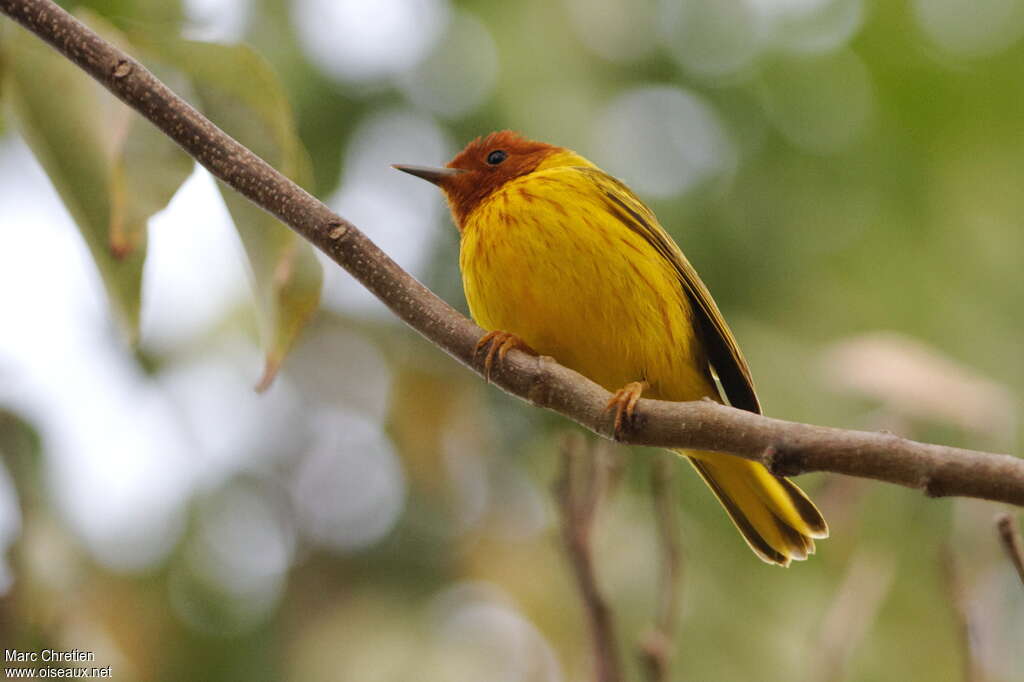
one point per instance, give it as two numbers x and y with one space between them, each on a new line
624 403
495 346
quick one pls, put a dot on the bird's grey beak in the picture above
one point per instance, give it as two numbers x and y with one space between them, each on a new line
429 173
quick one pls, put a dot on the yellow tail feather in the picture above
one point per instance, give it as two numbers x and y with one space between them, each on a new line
775 517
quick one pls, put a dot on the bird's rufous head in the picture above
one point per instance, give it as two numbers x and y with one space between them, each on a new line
482 167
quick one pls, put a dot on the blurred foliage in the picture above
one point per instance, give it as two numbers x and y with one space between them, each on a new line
128 171
239 91
93 181
833 168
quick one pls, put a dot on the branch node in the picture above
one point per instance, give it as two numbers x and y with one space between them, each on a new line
628 427
539 392
932 486
338 231
782 462
121 69
636 423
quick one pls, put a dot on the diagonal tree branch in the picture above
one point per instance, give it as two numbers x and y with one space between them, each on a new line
784 447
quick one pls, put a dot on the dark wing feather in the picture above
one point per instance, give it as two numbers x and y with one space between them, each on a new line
719 343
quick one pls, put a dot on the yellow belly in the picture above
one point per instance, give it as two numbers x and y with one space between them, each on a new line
544 259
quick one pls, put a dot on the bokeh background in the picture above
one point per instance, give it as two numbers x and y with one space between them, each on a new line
845 174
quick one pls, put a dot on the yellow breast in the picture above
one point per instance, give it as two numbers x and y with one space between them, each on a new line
544 258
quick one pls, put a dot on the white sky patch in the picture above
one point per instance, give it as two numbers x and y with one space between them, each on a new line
618 30
397 211
229 427
662 140
244 546
217 20
349 489
115 460
360 41
458 74
479 634
124 451
713 39
194 266
812 26
971 28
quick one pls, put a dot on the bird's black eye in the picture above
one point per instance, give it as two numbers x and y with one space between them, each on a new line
496 157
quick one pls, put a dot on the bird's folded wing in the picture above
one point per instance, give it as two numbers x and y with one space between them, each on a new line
719 343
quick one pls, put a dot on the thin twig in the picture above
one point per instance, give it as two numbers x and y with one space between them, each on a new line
960 603
579 490
785 447
1009 536
849 617
657 646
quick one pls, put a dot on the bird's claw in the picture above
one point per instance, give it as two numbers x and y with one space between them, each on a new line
624 403
497 345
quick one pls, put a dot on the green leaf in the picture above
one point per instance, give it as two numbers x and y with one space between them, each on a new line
21 452
146 166
67 123
146 169
163 15
111 168
4 31
241 94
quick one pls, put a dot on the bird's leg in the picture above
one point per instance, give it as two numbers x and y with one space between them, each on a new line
624 403
497 345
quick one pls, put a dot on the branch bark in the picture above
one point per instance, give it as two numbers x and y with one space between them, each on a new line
787 448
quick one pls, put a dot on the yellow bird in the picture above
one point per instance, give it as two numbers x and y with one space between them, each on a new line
562 259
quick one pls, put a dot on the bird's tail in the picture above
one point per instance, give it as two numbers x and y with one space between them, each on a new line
776 518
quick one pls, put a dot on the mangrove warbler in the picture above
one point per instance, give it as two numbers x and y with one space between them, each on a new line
560 258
